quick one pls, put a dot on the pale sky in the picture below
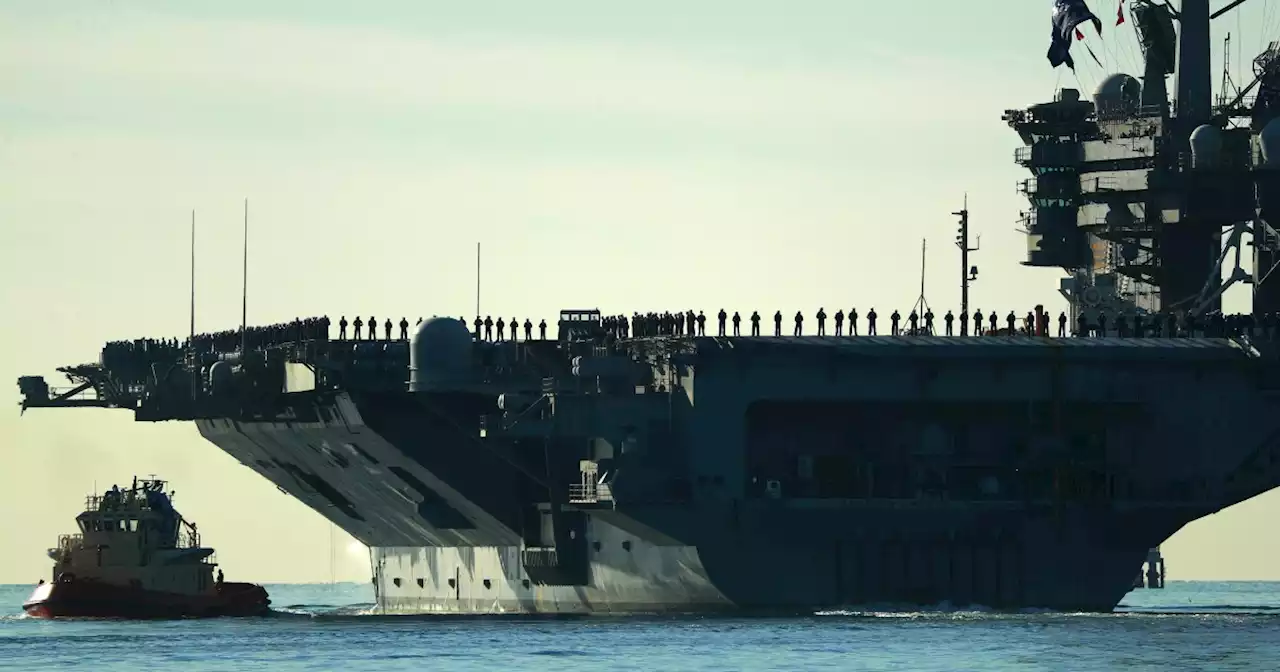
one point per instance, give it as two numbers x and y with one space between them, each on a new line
749 155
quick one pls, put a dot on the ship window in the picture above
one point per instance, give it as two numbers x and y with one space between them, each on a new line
487 584
626 545
525 583
396 581
421 583
453 583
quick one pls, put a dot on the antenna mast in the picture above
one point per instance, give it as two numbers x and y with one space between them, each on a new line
922 304
477 280
244 288
967 273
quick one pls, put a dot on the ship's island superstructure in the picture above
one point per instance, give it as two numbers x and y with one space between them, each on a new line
591 473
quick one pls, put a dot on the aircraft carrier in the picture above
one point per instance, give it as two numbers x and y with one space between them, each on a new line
603 472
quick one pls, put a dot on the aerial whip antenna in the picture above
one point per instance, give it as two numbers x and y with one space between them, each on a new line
244 288
193 278
191 342
477 280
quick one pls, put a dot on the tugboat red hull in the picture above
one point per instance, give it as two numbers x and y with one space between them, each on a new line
85 598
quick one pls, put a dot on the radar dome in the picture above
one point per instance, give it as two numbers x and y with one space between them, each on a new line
440 353
1206 146
1118 95
1269 143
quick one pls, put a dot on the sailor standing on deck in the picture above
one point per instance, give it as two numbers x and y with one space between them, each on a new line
755 323
479 323
404 329
777 323
871 322
993 321
1062 325
502 329
488 328
373 328
799 323
853 321
928 321
914 320
737 320
542 330
528 329
357 325
977 322
721 317
893 322
702 324
515 326
822 322
342 328
964 323
948 319
839 322
387 330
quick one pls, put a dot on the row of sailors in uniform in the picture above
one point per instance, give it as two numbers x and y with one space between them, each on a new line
1036 322
484 329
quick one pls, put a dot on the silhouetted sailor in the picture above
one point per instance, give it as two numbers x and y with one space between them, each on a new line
342 328
977 322
893 323
542 330
914 320
1062 325
515 329
928 321
702 324
387 331
1082 325
755 323
799 323
373 328
777 323
839 323
357 325
964 323
502 328
1029 324
993 322
479 325
462 320
528 330
404 329
488 328
948 319
853 321
721 318
1102 324
1011 321
871 322
737 320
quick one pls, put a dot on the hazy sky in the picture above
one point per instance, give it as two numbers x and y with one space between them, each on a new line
661 155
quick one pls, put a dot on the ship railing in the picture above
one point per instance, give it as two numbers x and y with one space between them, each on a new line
589 493
68 543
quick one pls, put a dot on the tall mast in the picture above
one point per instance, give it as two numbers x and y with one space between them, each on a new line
193 278
244 288
477 280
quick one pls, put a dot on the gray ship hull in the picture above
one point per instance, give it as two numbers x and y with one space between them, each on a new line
439 513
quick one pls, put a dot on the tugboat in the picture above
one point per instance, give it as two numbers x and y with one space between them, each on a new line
135 557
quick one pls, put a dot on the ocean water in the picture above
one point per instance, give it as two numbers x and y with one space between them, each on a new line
1186 626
